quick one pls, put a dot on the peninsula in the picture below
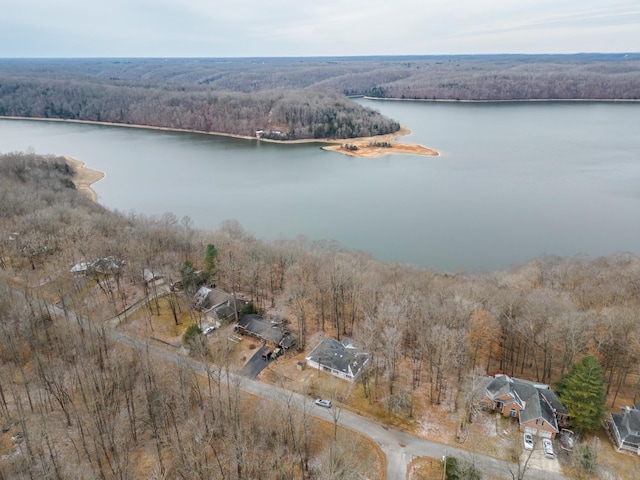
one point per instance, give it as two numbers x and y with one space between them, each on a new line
380 145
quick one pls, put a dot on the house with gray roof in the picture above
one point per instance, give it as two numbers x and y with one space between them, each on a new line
219 303
207 298
625 428
537 407
341 359
265 330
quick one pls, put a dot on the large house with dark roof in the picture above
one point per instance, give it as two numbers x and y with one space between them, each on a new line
219 303
341 359
625 428
537 407
267 331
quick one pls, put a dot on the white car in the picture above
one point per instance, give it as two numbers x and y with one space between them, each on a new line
528 441
208 330
548 448
323 403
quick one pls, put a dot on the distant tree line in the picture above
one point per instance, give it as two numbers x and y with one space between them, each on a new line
291 98
463 77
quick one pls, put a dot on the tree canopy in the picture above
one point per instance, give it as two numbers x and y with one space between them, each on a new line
582 392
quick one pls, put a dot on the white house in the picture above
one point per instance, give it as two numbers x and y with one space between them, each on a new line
341 359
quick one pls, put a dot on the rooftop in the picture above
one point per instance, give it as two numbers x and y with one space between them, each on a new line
340 356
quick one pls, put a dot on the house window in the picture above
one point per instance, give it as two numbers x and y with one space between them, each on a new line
512 412
539 422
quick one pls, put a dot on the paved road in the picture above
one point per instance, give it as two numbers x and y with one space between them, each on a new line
399 447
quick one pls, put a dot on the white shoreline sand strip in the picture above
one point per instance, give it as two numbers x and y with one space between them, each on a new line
84 177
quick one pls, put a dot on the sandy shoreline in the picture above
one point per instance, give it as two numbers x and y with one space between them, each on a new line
363 143
367 150
84 177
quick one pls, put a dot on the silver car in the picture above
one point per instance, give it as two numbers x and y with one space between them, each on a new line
323 403
528 441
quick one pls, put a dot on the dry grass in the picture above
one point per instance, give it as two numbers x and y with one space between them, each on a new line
615 465
8 445
425 468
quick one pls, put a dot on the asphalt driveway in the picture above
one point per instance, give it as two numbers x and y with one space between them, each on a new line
256 364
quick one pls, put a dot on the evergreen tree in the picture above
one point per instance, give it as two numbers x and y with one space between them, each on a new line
210 256
582 392
191 280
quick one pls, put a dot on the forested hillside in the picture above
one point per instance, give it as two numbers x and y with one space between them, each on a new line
83 399
75 398
281 115
296 98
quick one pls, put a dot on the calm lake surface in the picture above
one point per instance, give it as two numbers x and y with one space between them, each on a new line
514 181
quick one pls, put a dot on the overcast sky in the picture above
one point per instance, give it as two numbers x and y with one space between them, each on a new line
241 28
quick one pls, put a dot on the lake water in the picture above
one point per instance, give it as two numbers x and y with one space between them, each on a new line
514 181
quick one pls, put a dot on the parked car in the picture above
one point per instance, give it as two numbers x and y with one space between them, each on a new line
208 330
567 439
323 403
528 441
266 355
547 445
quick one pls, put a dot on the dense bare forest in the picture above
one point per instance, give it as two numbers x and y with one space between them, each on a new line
74 398
278 115
81 399
296 98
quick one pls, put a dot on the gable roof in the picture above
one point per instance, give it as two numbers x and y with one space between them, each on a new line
632 420
627 423
261 328
339 356
207 298
537 407
258 326
224 311
536 400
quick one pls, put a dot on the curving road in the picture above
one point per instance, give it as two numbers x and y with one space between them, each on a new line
399 447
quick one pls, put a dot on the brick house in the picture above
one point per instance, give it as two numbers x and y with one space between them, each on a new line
536 407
